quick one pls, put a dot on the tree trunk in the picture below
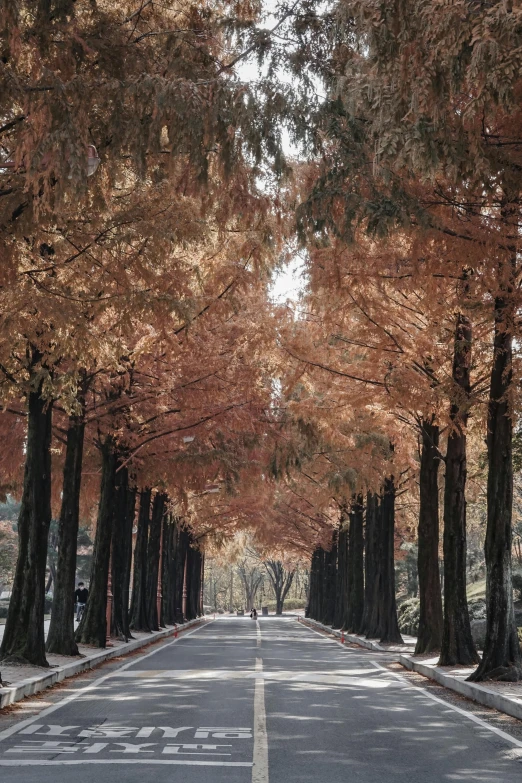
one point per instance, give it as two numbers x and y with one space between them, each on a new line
356 568
311 608
501 659
168 561
180 560
375 605
153 558
328 602
429 637
341 575
370 560
93 627
24 637
193 582
60 639
121 555
138 614
457 643
389 624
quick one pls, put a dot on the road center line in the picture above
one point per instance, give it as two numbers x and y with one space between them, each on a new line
260 768
258 633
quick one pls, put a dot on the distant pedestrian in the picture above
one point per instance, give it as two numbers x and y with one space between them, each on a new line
80 596
253 614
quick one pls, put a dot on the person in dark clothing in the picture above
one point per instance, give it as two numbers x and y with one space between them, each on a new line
81 595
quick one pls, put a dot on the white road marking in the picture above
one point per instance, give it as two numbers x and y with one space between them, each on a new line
400 678
258 633
68 762
260 767
448 705
72 696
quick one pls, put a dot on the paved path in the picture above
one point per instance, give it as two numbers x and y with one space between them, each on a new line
245 702
46 627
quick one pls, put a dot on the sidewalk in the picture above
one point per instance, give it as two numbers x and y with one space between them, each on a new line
46 628
502 696
28 680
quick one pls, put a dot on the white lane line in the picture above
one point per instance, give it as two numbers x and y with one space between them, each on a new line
260 768
72 696
69 762
258 633
422 692
448 705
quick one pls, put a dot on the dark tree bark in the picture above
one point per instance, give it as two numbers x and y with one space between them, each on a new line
389 625
24 639
281 580
193 582
457 643
153 558
429 637
122 555
375 605
169 598
370 560
60 639
356 569
181 559
328 594
312 609
93 627
139 620
501 659
341 584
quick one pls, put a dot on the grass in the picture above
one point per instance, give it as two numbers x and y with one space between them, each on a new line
477 589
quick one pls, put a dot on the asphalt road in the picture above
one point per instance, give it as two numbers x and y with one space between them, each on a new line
250 702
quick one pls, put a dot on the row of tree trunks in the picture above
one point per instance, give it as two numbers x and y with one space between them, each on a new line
24 636
338 592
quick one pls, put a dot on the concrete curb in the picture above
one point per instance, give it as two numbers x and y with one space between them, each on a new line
11 694
509 705
348 637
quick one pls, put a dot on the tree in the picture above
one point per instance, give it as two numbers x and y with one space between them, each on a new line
281 580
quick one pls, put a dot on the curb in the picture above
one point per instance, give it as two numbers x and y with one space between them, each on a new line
348 637
11 694
471 690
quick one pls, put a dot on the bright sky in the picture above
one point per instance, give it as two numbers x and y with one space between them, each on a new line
289 281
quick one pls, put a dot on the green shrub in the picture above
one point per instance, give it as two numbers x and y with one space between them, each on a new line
517 585
289 605
408 613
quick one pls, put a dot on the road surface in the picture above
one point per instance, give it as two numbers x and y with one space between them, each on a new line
246 702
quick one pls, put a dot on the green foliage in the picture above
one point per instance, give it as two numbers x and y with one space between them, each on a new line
408 613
